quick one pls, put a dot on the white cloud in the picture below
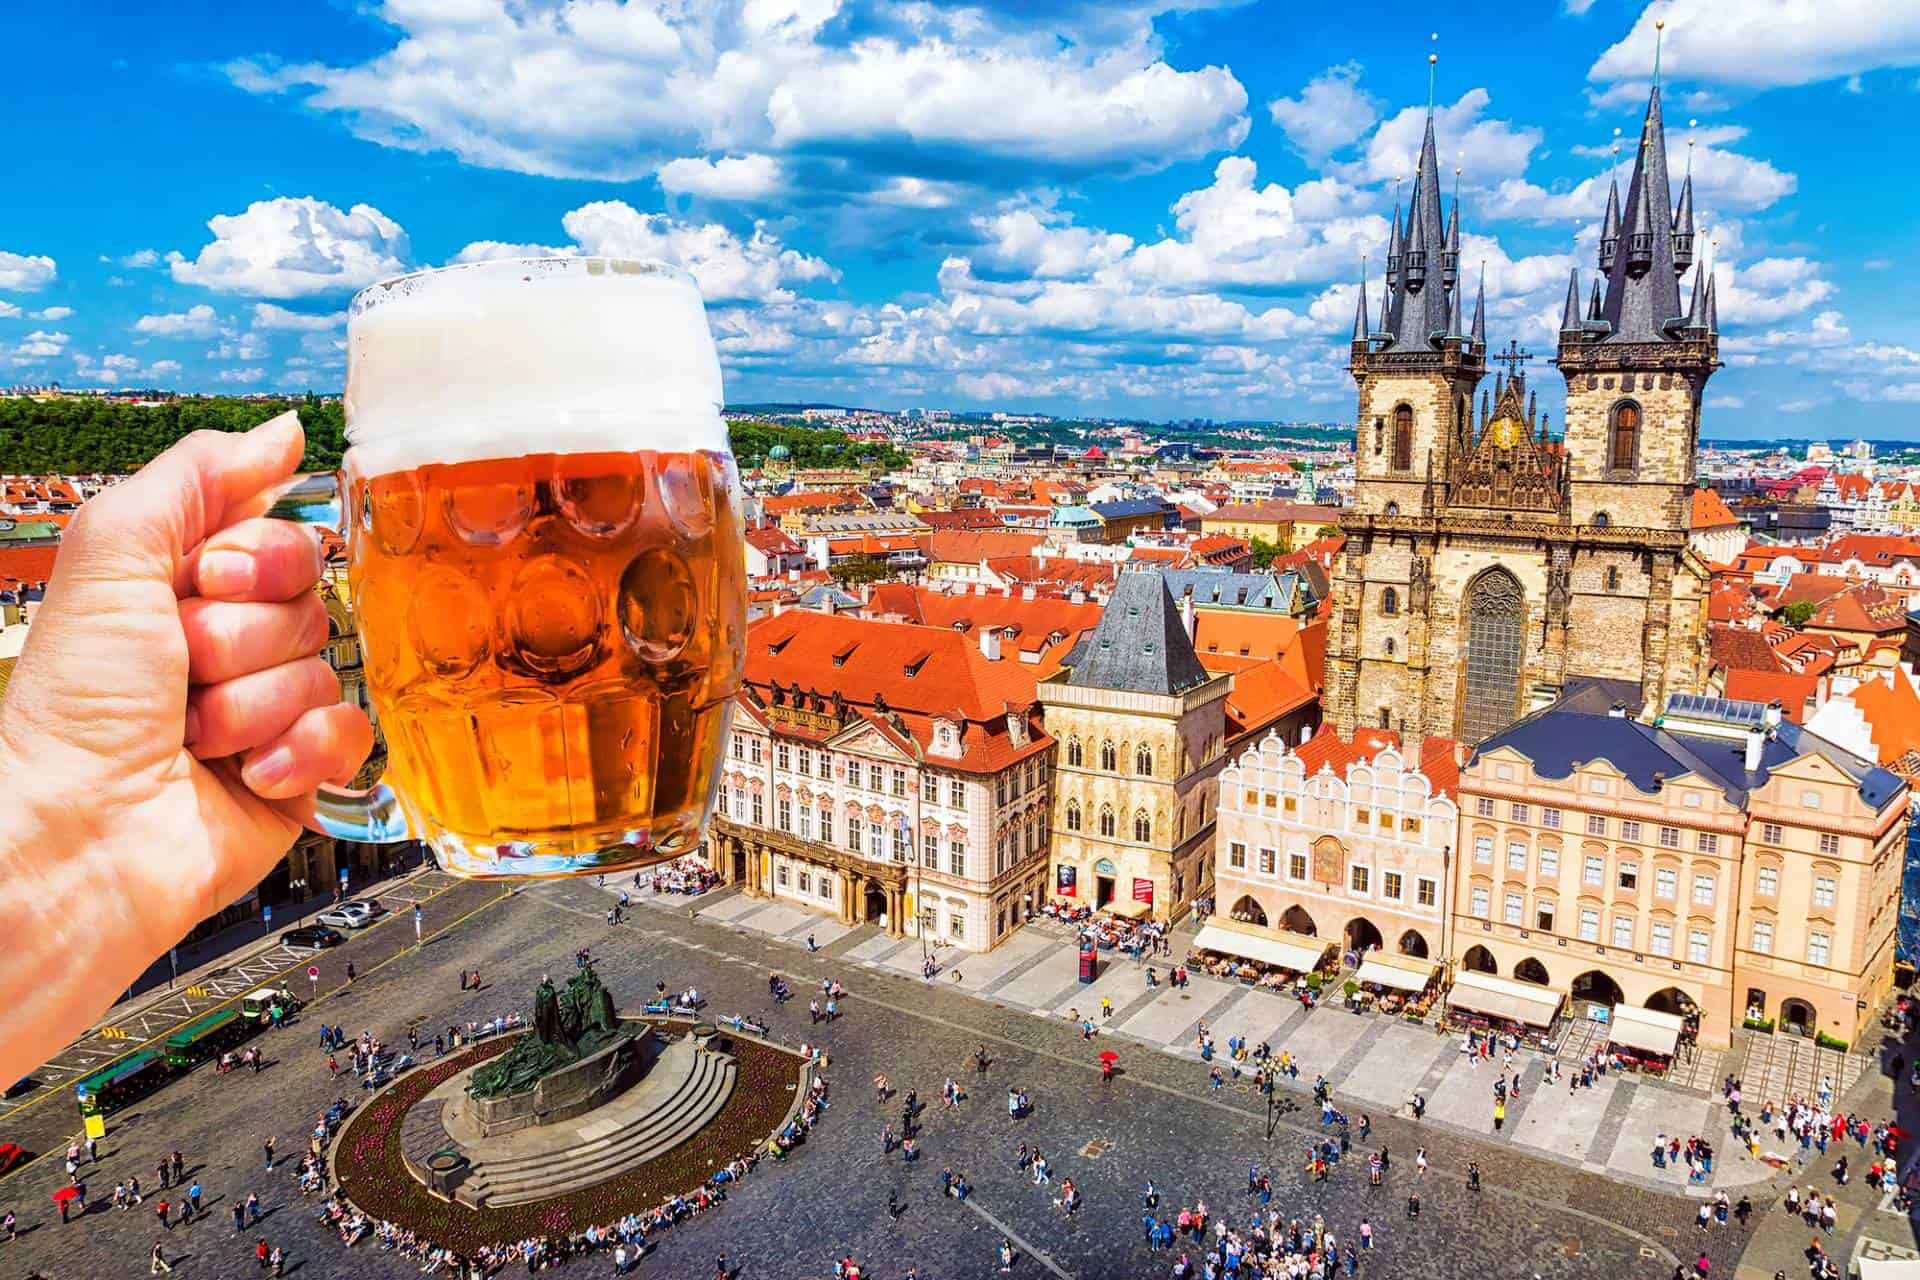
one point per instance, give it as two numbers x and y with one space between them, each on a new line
241 346
296 246
141 258
1488 150
195 322
600 90
268 316
726 266
7 310
1578 7
1767 43
243 377
53 313
1031 242
1768 290
40 344
916 193
108 368
751 177
164 368
24 271
1331 112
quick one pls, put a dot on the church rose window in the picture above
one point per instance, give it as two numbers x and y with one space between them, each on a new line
1495 617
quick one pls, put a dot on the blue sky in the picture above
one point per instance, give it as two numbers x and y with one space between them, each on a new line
1153 209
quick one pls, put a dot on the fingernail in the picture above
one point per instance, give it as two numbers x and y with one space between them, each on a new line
226 573
268 768
192 733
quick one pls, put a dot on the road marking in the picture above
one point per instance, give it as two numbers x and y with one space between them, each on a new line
1038 1255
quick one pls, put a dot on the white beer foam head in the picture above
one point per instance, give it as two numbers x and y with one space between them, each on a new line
536 355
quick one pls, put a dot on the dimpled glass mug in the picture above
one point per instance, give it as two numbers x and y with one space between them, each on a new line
547 561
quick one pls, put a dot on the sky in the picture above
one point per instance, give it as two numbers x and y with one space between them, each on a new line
1152 208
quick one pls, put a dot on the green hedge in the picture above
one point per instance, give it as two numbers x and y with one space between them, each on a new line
1760 1024
1826 1041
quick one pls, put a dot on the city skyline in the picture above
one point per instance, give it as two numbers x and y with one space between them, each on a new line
1168 221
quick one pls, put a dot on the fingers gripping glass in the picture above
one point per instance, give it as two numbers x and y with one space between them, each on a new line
546 560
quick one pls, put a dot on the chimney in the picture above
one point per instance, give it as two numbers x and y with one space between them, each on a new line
1186 616
990 643
1755 741
1618 711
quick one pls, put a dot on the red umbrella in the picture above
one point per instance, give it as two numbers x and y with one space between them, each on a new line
66 1193
1109 1056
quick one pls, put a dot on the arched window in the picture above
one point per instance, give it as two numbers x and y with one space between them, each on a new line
1106 821
1393 508
1073 815
1109 760
1389 602
1379 436
1073 751
1624 449
1389 646
1142 826
1601 519
1613 578
1143 761
1403 437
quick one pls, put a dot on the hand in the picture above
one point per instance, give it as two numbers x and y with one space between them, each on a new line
167 717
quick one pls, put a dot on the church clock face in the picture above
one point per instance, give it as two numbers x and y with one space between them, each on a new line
1505 432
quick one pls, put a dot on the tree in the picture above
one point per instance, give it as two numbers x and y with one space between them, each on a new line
76 435
859 569
1263 554
1797 613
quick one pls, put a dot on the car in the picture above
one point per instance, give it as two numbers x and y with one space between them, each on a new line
10 1156
348 915
312 937
24 1085
371 905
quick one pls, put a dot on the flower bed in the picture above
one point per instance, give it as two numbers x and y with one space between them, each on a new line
372 1170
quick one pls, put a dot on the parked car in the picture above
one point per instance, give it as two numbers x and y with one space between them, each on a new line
24 1085
313 937
371 905
348 915
10 1155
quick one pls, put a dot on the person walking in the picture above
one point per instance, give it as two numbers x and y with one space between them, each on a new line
350 974
239 1217
1006 1255
193 1196
267 1146
157 1263
162 1211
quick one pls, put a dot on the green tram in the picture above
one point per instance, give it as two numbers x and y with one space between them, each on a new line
207 1038
111 1088
202 1040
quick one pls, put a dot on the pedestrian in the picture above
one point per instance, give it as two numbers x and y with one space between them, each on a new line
1006 1254
276 1261
162 1212
268 1147
1106 1008
93 1149
260 1253
9 1225
239 1217
253 1207
157 1263
193 1196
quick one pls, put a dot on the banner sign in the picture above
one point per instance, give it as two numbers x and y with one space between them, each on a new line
1065 880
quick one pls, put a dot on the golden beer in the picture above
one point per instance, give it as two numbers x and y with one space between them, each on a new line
547 561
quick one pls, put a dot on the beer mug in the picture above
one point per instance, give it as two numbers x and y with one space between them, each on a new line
547 563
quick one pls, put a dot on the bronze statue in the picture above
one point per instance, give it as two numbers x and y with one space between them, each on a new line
567 1026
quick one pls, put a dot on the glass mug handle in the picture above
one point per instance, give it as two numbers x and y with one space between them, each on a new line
372 816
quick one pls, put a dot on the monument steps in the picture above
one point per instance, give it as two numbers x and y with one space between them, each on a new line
696 1099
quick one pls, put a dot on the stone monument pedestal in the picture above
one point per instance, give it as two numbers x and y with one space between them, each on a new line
563 1094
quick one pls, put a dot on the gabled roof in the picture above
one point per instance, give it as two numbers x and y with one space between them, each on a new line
1709 512
1739 649
972 546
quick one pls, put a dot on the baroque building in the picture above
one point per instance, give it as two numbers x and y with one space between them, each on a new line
1489 566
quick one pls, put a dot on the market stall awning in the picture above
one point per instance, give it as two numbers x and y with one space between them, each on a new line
1647 1030
1266 946
1403 973
1515 1001
1129 909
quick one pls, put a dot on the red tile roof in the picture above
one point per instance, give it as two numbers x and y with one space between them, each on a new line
31 565
968 546
1709 512
1794 691
1438 759
1738 649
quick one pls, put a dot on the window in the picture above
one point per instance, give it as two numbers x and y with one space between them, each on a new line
1550 818
1478 907
739 748
1237 856
806 823
1767 883
1357 878
1819 945
1483 806
1514 907
1390 885
1483 848
804 881
1296 866
759 811
1763 937
1595 870
1596 825
1630 831
1707 842
1389 602
1623 931
1519 812
806 763
876 841
1403 437
1770 832
753 749
1825 889
1703 890
1543 916
1266 864
1000 789
1666 882
1109 758
899 782
876 778
1613 579
1808 799
1107 824
1629 877
780 875
1626 436
1516 855
783 814
1699 946
1426 891
1390 646
930 852
1669 837
826 826
956 857
1661 941
853 833
929 789
826 886
956 925
1589 925
1143 761
782 756
1830 844
901 845
1073 752
1073 815
1549 864
1142 827
956 793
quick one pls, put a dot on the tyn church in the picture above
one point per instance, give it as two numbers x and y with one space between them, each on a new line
1489 567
